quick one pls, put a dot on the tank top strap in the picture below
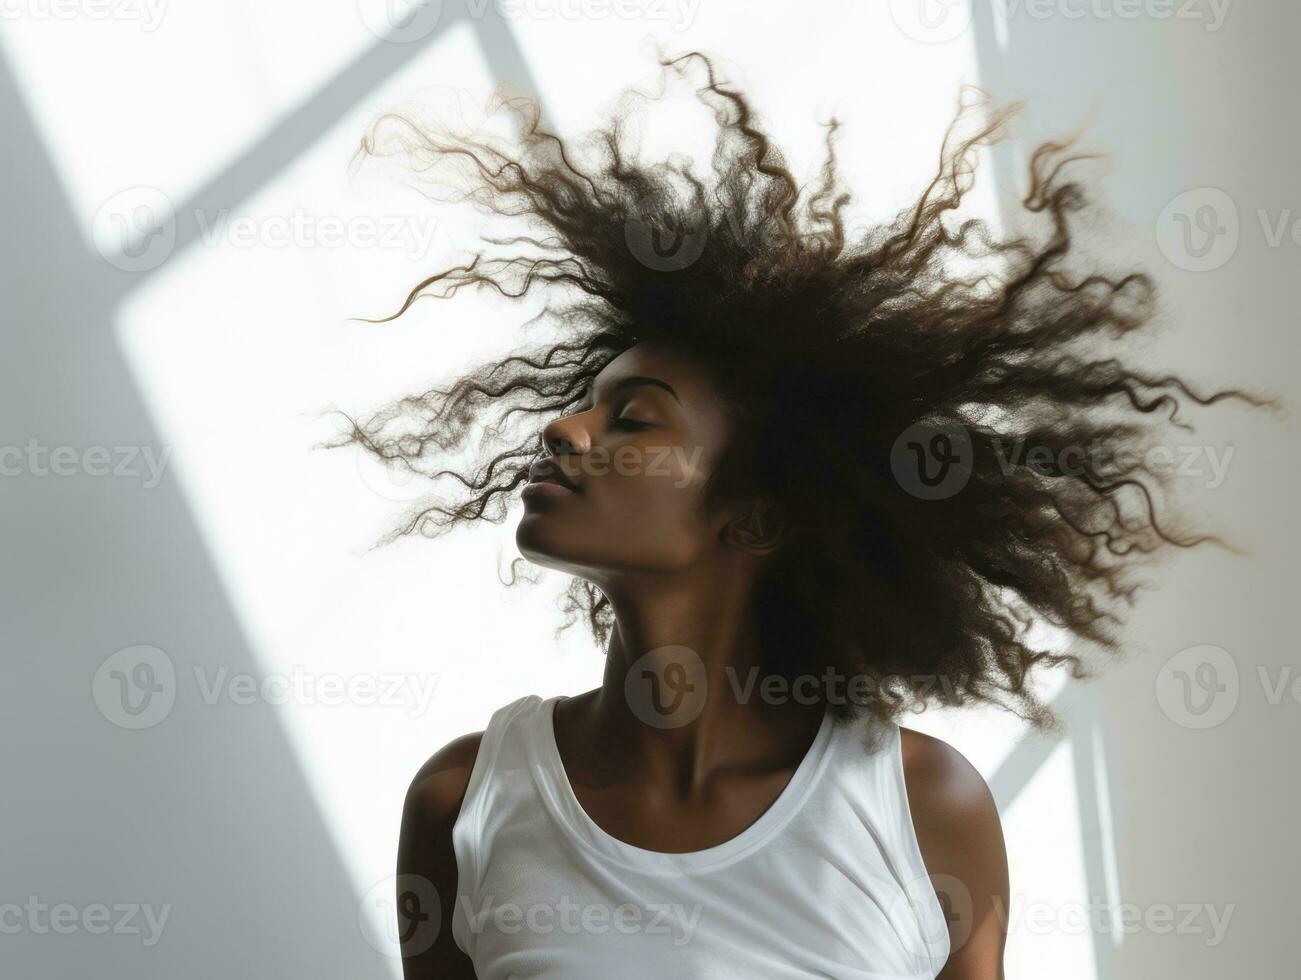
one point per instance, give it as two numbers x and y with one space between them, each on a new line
503 757
867 775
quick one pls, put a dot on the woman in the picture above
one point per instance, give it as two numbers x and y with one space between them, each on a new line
804 480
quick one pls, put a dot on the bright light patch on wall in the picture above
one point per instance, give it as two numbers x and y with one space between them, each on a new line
1111 876
1051 916
999 13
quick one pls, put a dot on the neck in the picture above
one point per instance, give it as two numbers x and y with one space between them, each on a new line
682 694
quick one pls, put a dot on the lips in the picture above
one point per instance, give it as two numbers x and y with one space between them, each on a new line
548 471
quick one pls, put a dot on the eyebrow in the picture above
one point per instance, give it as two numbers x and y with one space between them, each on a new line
638 380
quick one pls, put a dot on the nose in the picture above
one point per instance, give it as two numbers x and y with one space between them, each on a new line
567 436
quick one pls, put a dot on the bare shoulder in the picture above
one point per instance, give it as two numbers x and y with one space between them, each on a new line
953 810
438 787
960 837
425 850
941 782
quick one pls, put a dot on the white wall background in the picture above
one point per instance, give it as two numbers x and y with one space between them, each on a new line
263 826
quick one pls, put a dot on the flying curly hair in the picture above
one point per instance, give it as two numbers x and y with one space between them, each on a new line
979 489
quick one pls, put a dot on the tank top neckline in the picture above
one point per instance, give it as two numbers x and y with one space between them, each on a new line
561 800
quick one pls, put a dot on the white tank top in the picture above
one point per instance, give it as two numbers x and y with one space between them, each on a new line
828 882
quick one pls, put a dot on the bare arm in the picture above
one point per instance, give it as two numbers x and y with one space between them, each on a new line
961 840
425 850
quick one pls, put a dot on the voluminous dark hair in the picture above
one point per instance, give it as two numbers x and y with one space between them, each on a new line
934 409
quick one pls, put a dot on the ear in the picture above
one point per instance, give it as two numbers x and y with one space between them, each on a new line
758 531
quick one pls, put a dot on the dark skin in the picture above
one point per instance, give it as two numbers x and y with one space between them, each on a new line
676 576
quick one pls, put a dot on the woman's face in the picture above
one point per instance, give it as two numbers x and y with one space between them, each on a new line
637 452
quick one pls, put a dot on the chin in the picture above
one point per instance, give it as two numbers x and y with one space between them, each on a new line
535 542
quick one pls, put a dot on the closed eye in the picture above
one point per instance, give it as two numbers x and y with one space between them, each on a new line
630 425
